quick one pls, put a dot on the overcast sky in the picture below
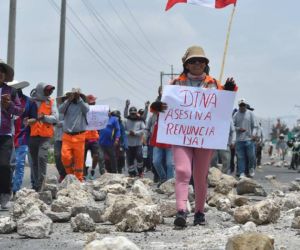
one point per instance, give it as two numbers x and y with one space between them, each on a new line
112 57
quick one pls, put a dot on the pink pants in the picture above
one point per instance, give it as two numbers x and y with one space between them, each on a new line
186 159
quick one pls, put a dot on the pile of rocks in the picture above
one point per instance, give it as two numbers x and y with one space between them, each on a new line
136 205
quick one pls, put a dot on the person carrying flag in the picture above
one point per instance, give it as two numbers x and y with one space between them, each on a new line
190 161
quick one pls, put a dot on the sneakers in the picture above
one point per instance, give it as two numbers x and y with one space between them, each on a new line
92 172
251 172
180 220
242 175
199 219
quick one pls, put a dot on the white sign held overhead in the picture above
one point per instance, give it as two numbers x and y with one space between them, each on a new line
97 117
196 117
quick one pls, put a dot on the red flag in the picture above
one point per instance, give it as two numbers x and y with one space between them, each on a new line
208 3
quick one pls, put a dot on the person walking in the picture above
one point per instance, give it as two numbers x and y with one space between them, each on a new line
22 132
190 160
109 139
134 127
162 153
224 154
41 131
91 144
10 105
58 132
281 147
74 110
122 146
246 134
259 144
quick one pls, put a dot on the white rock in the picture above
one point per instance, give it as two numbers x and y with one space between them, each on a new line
114 189
249 227
168 208
26 199
223 204
243 214
258 241
266 211
168 187
214 176
7 225
109 243
119 206
294 186
36 225
141 190
140 219
291 200
296 222
249 186
68 180
82 222
110 179
58 217
62 204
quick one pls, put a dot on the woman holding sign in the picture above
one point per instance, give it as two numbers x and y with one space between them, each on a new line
190 160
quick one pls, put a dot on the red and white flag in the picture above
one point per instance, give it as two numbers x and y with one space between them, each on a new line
208 3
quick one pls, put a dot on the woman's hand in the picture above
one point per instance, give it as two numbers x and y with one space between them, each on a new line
230 84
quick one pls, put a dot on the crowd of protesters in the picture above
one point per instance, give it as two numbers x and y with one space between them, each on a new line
29 124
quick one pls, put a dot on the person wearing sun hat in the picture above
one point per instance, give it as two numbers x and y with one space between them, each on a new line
41 132
191 161
74 110
10 106
22 131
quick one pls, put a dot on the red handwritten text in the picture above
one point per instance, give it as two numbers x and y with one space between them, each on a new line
181 129
198 98
180 114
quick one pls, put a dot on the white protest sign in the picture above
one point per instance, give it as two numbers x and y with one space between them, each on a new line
196 117
97 117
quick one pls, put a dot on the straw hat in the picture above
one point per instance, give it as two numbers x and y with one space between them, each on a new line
76 90
9 71
192 52
18 85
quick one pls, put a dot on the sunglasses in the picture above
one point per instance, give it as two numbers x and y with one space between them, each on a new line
196 59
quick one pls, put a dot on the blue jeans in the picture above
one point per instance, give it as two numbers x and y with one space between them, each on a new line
159 154
21 153
245 152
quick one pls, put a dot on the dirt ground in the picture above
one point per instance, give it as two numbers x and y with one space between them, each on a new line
213 236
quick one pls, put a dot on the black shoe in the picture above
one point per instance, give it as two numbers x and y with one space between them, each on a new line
199 219
92 172
180 220
132 173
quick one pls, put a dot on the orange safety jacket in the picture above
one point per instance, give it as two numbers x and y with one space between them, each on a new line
40 128
208 80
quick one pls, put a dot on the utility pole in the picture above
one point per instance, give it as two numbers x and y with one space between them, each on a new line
11 33
61 56
172 74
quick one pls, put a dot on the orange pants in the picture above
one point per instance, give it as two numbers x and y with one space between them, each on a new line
72 154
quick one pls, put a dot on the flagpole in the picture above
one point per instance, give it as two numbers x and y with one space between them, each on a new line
226 44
